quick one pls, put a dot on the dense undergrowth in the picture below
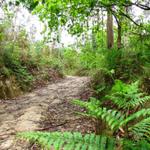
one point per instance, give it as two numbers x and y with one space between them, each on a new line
24 60
105 66
120 81
24 65
120 107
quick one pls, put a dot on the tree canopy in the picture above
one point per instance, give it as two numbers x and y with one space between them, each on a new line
76 13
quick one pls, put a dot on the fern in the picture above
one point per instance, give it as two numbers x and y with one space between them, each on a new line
135 145
141 129
69 141
119 86
127 96
136 115
112 117
77 141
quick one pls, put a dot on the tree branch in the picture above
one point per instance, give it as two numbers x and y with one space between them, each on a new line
145 7
127 16
137 4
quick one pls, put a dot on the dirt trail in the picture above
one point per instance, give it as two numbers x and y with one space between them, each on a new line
26 112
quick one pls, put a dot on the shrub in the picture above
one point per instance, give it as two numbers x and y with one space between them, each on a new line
22 59
126 118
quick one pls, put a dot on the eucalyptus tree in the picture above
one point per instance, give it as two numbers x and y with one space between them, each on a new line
76 13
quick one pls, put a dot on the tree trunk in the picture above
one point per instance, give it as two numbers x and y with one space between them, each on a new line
94 44
119 36
110 35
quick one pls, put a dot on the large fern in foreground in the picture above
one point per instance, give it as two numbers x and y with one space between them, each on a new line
117 120
127 115
77 141
69 141
112 117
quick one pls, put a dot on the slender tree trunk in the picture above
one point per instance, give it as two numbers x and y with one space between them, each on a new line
94 44
102 27
110 35
119 36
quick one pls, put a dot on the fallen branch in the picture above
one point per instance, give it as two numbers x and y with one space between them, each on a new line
49 127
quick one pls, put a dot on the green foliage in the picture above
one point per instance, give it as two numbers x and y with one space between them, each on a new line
130 61
140 145
77 19
112 117
91 60
69 141
126 61
116 119
141 129
30 4
121 63
77 141
132 125
11 62
70 60
127 96
126 64
121 110
127 99
23 60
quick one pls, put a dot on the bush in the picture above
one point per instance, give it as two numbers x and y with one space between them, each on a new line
70 60
23 59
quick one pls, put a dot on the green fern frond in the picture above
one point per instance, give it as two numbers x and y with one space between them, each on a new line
69 141
135 145
94 103
127 96
128 101
112 117
121 87
138 101
141 129
136 115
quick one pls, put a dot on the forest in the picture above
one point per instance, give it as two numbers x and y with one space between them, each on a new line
92 93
